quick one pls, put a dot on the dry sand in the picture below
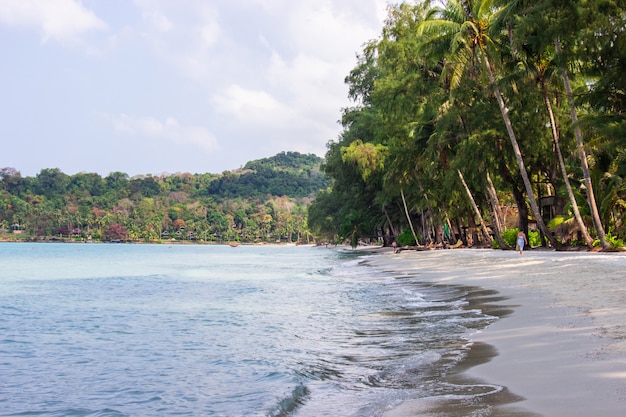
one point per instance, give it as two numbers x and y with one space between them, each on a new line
562 350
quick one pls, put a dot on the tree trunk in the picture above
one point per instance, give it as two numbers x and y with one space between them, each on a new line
472 237
432 231
491 190
476 211
496 226
451 234
408 217
557 149
496 231
591 199
522 209
518 154
391 227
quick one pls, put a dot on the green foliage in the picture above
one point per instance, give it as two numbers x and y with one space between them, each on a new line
613 241
286 174
353 227
427 105
368 157
534 238
323 218
406 238
348 209
287 161
556 221
269 204
510 237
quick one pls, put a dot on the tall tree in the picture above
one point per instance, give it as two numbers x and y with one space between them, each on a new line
463 29
567 22
537 61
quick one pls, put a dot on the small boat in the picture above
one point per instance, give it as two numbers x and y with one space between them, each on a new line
233 245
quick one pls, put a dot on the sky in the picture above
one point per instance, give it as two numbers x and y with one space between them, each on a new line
162 87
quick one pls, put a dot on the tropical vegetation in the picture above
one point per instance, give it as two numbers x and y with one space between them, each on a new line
265 201
475 117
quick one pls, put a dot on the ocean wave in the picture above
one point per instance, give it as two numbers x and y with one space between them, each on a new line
286 406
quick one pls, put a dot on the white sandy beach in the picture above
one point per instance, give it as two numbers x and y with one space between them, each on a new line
562 350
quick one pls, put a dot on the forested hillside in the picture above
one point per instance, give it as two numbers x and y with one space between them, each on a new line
466 109
286 174
266 201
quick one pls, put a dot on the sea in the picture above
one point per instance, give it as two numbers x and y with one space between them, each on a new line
92 329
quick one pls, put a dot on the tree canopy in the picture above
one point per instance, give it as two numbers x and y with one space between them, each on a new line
266 201
478 116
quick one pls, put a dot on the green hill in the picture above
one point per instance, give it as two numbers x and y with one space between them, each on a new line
288 174
265 201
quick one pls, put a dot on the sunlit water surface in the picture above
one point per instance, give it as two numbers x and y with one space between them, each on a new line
146 330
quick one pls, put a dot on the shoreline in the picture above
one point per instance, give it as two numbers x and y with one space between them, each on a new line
163 242
562 350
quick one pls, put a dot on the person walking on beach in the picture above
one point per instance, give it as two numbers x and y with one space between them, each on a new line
521 240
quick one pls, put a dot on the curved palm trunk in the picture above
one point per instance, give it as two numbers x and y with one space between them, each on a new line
391 226
518 154
495 213
475 207
408 217
557 148
493 199
591 199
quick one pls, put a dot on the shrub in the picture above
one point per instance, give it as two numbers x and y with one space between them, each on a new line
406 239
534 238
613 241
510 237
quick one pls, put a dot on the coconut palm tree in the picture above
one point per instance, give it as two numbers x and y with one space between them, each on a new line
460 35
555 18
591 199
540 66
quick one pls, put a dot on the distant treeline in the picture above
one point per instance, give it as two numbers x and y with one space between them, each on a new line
266 200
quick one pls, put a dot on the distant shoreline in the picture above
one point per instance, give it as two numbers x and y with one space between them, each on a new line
163 242
360 248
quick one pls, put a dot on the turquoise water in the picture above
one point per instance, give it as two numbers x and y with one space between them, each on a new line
138 330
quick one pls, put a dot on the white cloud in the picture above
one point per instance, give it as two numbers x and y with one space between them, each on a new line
326 30
157 20
209 33
60 20
169 130
181 34
237 100
260 76
255 110
137 126
293 98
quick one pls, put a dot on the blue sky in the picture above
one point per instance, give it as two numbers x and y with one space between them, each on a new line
164 86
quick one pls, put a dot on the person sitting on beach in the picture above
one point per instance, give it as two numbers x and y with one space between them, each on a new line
521 240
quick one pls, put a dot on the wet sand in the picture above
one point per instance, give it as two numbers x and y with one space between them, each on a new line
562 350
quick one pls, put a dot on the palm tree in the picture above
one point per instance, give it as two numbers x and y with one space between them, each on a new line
541 67
475 207
461 32
563 12
591 199
557 148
